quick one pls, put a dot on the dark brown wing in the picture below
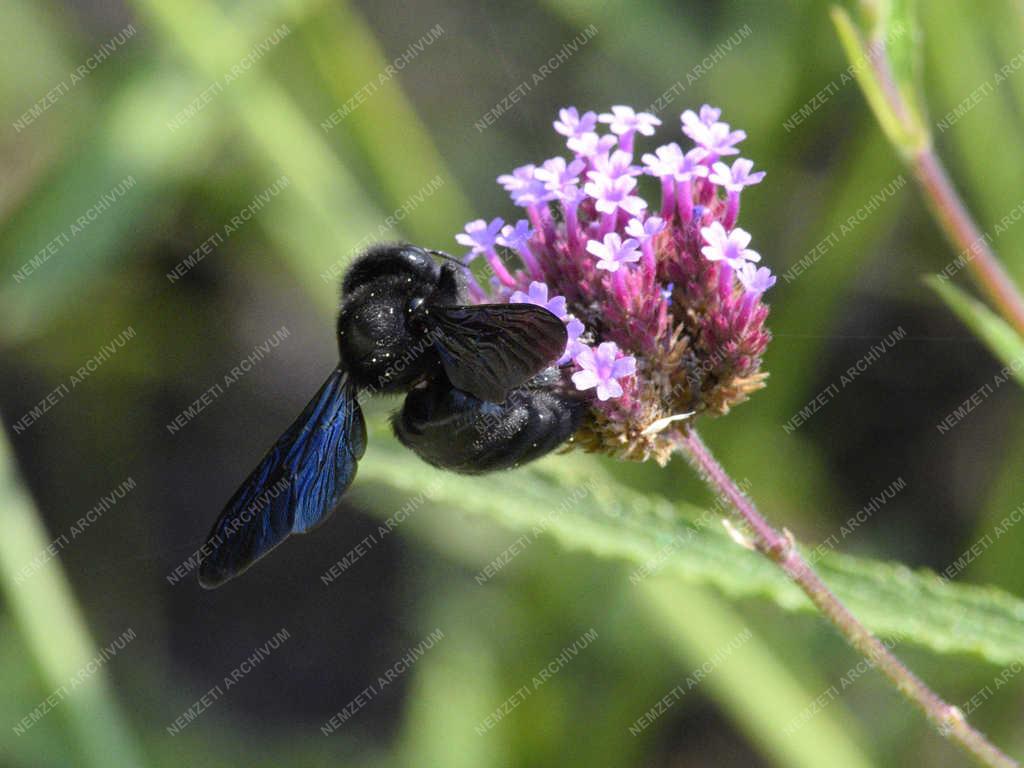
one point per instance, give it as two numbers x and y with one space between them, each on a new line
490 349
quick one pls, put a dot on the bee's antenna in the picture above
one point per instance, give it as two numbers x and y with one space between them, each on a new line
447 257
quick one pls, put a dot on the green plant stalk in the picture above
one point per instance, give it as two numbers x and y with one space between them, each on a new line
905 129
55 632
328 199
964 234
348 55
781 549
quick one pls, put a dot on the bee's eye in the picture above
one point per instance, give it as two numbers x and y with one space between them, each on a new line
414 304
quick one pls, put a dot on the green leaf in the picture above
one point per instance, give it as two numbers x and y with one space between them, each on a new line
870 58
1004 342
573 500
899 30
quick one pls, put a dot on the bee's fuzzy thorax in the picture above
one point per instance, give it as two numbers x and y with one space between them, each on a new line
663 306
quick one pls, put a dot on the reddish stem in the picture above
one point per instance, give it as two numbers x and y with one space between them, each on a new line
946 204
961 230
780 548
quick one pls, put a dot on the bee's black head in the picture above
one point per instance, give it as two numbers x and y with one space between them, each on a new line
379 345
400 259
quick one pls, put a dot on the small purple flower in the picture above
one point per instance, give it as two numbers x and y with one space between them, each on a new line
612 194
666 292
708 116
571 124
693 165
755 279
521 177
614 251
624 120
590 144
556 174
573 346
571 197
539 295
736 178
730 248
713 136
614 165
480 236
524 186
664 160
670 162
644 230
515 237
601 368
720 140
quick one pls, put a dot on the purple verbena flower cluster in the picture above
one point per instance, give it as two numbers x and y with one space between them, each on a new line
663 305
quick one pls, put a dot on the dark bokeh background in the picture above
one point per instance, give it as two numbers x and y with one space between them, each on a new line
344 181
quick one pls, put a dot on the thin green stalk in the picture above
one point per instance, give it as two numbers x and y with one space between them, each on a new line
964 234
55 632
906 130
781 549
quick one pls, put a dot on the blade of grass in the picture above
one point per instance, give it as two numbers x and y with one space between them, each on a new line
54 628
1004 342
348 57
753 667
317 222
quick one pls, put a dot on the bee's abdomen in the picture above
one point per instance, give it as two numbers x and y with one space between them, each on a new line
453 430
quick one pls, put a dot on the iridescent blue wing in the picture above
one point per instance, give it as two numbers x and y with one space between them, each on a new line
490 349
295 488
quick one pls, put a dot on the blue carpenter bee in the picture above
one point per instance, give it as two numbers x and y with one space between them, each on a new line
481 395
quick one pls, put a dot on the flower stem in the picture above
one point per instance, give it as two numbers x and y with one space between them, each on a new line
961 230
905 127
780 548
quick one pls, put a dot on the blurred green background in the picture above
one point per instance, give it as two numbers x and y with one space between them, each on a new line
409 146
